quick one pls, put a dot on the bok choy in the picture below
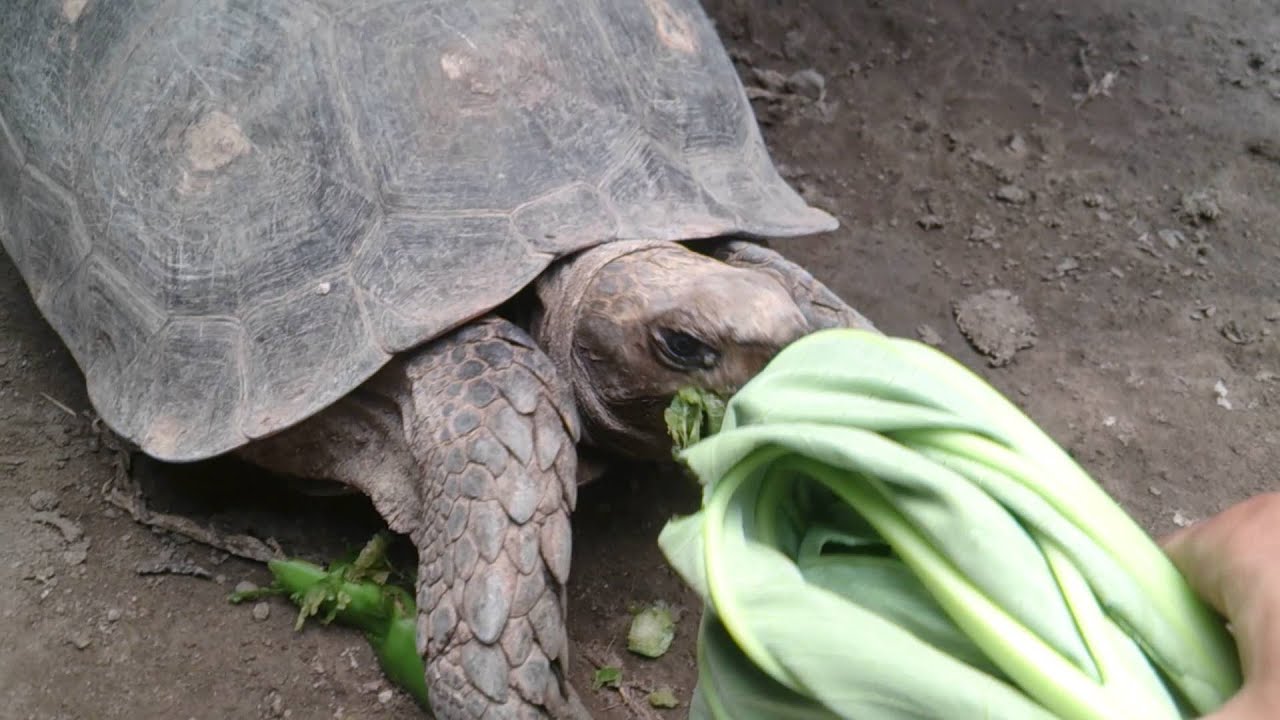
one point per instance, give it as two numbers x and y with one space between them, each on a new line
884 536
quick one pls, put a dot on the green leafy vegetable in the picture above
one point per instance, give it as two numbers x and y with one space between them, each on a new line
357 593
652 630
883 535
693 415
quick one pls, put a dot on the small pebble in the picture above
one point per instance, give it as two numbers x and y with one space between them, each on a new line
808 83
981 233
1220 389
385 696
929 336
42 500
113 615
1012 194
261 611
1017 145
75 556
81 641
1171 238
246 586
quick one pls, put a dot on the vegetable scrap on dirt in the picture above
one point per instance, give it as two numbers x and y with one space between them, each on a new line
652 630
356 592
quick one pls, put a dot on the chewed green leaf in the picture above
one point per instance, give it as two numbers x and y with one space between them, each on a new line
693 414
652 631
607 676
664 697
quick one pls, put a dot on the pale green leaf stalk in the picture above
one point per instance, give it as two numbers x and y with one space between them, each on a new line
884 536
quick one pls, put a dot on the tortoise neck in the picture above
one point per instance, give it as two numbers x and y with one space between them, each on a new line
554 326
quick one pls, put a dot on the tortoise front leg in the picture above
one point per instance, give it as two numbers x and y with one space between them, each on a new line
493 434
821 307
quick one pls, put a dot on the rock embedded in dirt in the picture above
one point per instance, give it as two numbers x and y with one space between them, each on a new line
1012 194
261 611
245 586
169 566
77 554
1199 207
275 704
1220 390
771 80
42 501
807 83
928 335
1172 238
995 324
981 234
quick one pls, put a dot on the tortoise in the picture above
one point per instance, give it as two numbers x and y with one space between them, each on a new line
428 249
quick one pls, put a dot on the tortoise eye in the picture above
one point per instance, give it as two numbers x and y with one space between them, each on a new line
684 351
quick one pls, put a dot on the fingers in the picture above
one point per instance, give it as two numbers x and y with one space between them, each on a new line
1233 556
1232 560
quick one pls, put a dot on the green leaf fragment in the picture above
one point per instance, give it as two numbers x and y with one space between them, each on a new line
607 676
652 631
664 697
692 415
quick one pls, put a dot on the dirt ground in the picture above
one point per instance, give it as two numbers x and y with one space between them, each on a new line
1113 166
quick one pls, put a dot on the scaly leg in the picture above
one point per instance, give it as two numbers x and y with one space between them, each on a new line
493 436
467 446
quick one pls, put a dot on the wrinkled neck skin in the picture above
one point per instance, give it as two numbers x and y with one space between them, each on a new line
602 314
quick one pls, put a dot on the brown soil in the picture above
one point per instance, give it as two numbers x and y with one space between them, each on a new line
1115 167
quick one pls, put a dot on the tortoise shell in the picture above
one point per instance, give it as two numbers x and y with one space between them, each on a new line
235 211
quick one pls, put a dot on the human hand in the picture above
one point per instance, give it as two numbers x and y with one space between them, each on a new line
1232 560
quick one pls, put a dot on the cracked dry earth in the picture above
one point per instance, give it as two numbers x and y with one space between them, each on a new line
1079 200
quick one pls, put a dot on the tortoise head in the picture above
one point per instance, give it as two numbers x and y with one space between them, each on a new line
630 323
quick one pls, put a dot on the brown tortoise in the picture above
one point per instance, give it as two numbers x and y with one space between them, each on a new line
300 230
